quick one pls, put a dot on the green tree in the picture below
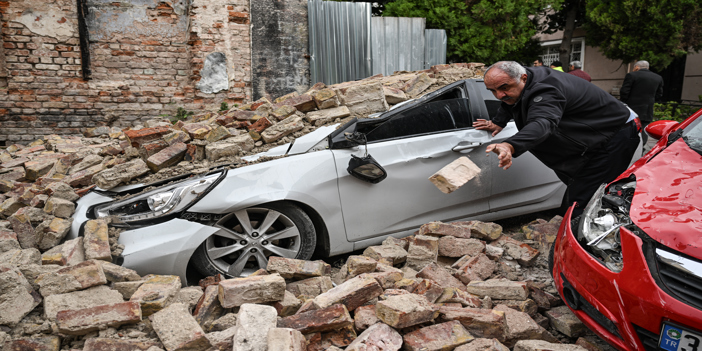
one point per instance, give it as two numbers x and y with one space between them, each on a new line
480 30
567 17
656 31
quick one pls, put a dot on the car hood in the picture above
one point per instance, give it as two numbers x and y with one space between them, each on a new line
667 203
300 145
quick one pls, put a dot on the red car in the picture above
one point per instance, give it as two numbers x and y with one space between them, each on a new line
630 267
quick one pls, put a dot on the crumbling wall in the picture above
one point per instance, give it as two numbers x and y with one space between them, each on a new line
146 59
280 47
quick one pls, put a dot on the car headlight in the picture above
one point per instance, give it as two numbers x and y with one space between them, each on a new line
158 203
598 229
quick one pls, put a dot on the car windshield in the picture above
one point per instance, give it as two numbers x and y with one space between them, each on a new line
693 135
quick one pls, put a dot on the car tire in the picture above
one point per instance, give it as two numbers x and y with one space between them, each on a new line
238 249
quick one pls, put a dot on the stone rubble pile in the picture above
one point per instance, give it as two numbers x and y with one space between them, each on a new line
450 286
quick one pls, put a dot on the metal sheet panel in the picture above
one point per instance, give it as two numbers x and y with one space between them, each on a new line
339 41
397 44
435 47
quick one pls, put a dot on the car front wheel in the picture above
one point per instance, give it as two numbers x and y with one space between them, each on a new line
247 237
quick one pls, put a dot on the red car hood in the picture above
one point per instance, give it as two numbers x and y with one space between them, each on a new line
667 203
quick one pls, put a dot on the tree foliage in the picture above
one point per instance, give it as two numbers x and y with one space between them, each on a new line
656 31
480 30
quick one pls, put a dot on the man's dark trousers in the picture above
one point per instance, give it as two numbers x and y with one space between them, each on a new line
602 167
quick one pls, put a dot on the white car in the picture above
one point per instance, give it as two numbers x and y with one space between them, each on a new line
326 196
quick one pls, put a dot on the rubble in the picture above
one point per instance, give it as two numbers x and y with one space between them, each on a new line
434 290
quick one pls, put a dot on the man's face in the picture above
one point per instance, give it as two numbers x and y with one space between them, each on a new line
504 87
538 64
571 67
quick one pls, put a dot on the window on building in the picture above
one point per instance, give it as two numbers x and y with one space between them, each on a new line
549 51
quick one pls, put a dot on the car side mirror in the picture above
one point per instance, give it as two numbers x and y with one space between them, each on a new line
659 129
366 169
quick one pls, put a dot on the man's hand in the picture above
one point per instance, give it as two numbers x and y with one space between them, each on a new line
504 153
482 124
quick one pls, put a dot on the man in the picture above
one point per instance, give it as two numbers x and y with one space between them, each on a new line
557 65
539 62
640 90
576 70
575 128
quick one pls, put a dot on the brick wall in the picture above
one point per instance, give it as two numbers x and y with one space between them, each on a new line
146 58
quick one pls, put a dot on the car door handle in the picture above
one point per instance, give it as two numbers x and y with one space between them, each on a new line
466 146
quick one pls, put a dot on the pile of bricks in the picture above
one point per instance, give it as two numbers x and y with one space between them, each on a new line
443 288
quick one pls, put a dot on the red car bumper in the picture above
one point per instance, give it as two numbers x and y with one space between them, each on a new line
626 309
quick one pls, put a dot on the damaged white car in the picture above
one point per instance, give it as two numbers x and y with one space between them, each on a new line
328 195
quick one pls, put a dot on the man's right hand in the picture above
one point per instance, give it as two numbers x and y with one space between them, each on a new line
504 153
483 124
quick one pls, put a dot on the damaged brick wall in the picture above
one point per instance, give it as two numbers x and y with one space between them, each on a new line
146 60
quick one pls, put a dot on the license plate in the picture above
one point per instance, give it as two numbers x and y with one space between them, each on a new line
675 338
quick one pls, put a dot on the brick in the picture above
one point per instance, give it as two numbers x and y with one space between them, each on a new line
84 177
499 289
35 343
451 295
481 265
283 112
229 147
303 103
8 241
289 305
14 173
401 311
96 240
482 323
440 275
324 319
142 136
197 130
166 157
59 207
285 339
357 265
109 344
394 96
18 296
565 321
23 227
423 250
156 292
252 326
86 320
256 289
522 252
527 306
454 175
95 296
332 340
450 246
127 289
325 98
540 345
446 229
321 117
208 308
310 287
283 128
178 330
352 293
364 317
362 98
177 136
429 289
393 254
483 344
443 336
414 87
69 253
10 206
19 258
37 168
115 273
80 276
87 162
119 174
151 148
379 336
518 326
16 162
299 269
487 231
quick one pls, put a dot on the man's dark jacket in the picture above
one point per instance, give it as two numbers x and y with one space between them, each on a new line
562 120
640 90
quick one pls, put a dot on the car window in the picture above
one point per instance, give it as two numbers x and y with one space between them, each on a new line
430 117
693 135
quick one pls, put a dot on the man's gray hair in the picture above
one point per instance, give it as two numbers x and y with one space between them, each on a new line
511 68
576 64
641 64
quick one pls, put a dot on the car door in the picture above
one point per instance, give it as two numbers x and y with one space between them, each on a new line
412 146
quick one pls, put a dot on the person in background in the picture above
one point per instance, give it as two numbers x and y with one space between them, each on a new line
576 70
584 134
538 62
640 90
557 65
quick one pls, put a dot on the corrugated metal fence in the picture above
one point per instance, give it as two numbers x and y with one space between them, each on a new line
347 44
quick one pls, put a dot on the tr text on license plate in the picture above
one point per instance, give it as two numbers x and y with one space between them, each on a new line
675 338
